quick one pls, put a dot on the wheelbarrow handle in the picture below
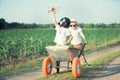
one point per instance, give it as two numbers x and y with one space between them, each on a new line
81 50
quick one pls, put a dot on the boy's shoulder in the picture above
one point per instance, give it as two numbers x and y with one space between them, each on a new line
79 28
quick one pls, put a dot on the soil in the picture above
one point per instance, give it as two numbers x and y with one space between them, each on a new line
111 72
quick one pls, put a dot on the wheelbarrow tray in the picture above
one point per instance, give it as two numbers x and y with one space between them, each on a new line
60 52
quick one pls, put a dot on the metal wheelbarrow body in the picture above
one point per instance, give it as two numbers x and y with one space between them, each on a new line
60 53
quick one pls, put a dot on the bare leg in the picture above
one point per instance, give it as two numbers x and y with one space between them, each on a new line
70 55
83 56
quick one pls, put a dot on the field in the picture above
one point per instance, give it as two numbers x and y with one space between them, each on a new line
29 43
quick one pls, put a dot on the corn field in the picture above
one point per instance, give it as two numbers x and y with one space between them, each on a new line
21 44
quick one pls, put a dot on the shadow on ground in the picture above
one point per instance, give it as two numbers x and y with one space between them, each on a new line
102 71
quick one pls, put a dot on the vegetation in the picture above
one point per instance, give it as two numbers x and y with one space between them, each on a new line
21 67
95 64
16 25
17 45
27 44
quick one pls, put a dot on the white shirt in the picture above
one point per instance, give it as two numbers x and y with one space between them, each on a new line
61 34
76 36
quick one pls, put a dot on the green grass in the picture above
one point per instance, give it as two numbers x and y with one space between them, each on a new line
104 59
21 67
67 75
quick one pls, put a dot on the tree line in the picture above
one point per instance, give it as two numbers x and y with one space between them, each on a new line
17 25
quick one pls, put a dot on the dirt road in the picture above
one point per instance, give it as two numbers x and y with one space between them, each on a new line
34 75
111 72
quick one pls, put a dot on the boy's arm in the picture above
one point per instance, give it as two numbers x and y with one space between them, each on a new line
69 40
54 18
83 36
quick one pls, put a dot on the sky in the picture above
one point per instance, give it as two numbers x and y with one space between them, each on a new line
84 11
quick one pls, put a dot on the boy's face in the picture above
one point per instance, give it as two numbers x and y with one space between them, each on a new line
73 26
62 23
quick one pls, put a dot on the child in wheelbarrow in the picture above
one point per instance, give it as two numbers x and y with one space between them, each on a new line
61 30
78 36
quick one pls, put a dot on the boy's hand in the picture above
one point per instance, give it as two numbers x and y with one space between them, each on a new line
52 9
65 42
85 42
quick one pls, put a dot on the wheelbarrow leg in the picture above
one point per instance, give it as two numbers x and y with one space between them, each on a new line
68 64
71 62
58 66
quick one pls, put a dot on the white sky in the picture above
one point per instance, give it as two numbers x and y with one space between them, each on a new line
85 11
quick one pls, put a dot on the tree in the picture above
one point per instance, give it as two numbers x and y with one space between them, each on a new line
14 25
34 25
2 23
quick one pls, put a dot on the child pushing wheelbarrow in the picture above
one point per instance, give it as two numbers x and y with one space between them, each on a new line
61 52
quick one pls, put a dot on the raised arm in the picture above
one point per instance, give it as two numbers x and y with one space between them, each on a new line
54 18
53 11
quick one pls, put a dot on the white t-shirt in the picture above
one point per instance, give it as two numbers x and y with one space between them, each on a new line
61 34
76 35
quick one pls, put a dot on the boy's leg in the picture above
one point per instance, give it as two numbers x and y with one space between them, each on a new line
83 56
70 55
58 66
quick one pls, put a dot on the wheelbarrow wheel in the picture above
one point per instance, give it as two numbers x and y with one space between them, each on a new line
76 67
47 66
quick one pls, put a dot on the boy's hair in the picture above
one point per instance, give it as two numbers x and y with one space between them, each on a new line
65 22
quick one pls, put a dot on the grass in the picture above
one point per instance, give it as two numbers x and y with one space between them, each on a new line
67 75
21 67
104 59
96 47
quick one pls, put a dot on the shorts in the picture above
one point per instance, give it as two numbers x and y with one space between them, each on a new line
78 46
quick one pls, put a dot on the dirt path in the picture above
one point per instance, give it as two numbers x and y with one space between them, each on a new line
111 72
97 54
34 75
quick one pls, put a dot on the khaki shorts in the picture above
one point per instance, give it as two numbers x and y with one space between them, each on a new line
78 46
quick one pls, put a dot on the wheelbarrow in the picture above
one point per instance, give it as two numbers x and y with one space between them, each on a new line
60 53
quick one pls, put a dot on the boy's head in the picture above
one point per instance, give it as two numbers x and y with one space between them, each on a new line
73 24
65 22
